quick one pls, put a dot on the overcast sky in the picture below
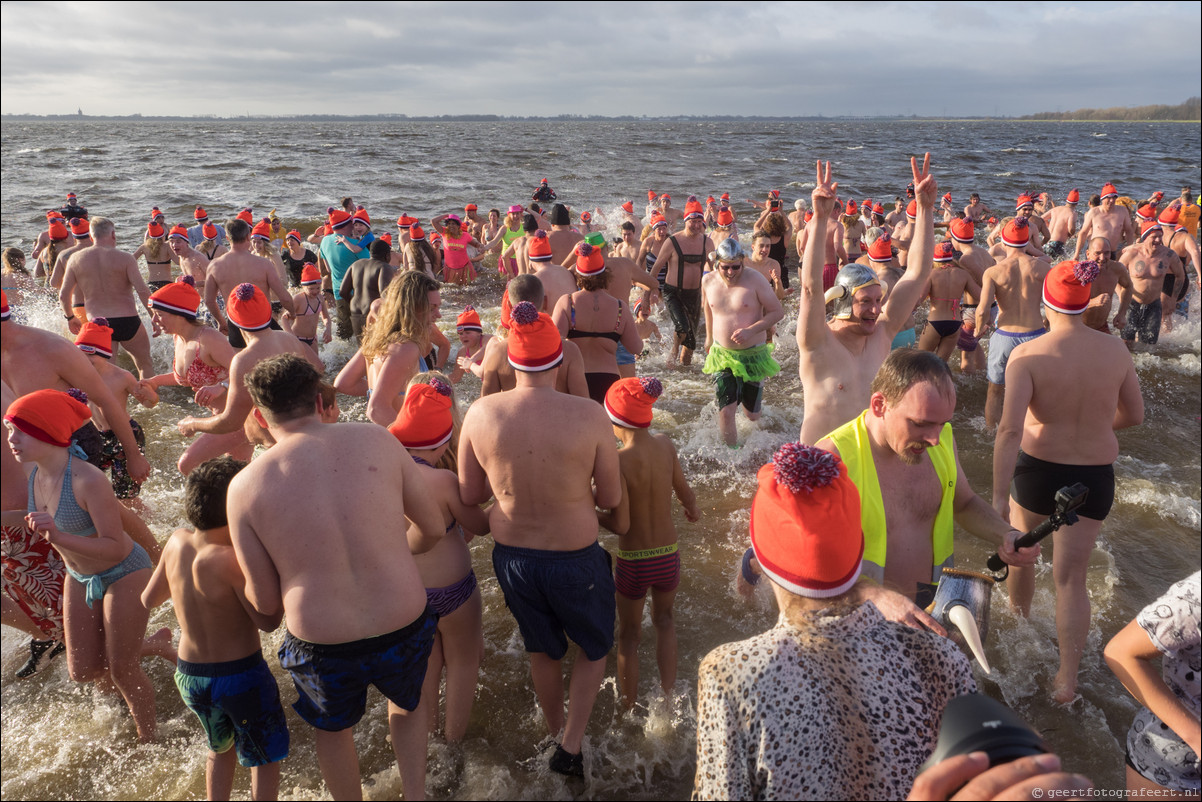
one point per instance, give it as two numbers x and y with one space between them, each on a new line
655 58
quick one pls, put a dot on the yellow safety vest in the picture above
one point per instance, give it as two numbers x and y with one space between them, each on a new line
856 451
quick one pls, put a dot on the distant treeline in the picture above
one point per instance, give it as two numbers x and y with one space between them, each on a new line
1190 110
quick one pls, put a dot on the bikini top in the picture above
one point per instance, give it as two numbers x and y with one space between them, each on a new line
201 374
576 334
70 518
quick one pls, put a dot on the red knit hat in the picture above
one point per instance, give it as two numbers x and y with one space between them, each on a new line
658 219
249 308
425 421
693 209
808 216
534 341
154 230
310 275
805 523
4 310
468 320
246 216
506 310
471 207
538 248
416 233
944 252
1147 228
628 401
1066 286
362 217
80 228
866 204
881 250
338 218
54 214
851 208
1017 233
157 214
665 196
912 210
1074 196
878 208
209 231
386 238
178 232
590 261
962 230
404 221
294 234
50 415
725 218
1109 191
651 195
1146 212
709 201
1170 216
628 207
179 297
95 337
586 217
262 230
947 196
1023 200
200 214
57 231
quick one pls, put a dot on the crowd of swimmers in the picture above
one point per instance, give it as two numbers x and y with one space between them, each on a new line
852 524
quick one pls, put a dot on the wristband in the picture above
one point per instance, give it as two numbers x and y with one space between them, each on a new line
750 577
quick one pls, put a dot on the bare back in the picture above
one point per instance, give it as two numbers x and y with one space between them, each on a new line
240 267
1018 290
107 278
649 467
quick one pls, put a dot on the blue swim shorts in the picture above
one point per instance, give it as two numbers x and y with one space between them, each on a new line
556 595
624 356
331 678
238 704
1001 343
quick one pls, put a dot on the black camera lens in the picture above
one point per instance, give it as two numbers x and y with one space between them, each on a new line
976 723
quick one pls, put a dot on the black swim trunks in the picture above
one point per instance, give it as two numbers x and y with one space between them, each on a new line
331 678
1036 482
124 328
1143 322
684 307
730 389
235 334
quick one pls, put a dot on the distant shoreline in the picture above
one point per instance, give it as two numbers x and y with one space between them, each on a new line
484 118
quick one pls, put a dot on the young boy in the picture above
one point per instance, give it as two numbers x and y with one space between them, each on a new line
472 342
221 673
310 310
647 327
647 555
96 340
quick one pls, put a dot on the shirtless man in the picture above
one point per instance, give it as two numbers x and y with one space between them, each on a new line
561 236
518 249
897 215
903 233
557 281
191 261
1177 239
1062 224
556 579
1110 220
1149 262
346 582
498 375
766 266
740 308
976 211
628 248
1015 282
1036 230
685 255
915 486
108 279
675 217
976 261
81 236
472 222
250 311
1112 278
1066 394
365 281
838 360
240 266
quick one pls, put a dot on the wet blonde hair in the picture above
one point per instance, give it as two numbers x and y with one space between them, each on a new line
10 261
153 247
402 316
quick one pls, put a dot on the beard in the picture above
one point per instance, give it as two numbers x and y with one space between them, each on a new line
909 457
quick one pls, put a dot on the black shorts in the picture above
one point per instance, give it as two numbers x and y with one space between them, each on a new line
684 307
235 334
1143 322
158 285
730 389
124 328
1036 482
331 678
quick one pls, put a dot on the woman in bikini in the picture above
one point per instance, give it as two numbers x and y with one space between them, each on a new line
395 346
946 290
159 256
596 321
428 427
72 506
201 362
458 267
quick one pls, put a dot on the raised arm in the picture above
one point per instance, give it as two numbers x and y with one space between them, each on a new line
811 312
904 296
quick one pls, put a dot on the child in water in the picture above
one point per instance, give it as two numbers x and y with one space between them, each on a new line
647 555
221 673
